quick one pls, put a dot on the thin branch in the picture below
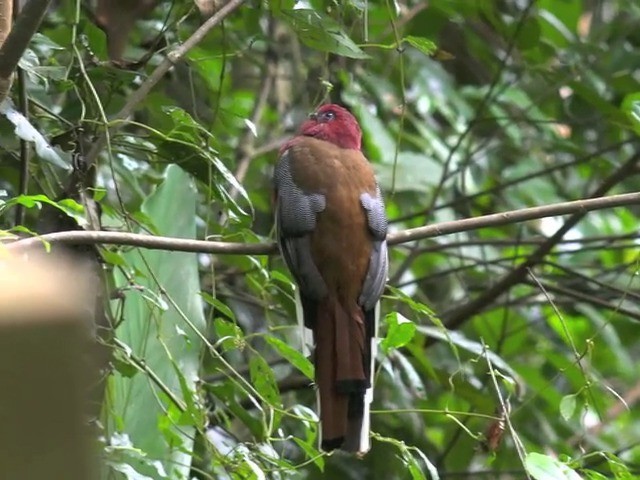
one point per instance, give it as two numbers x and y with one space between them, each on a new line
512 217
170 60
577 208
463 313
151 242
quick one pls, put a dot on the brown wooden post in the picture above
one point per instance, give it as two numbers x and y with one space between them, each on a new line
44 337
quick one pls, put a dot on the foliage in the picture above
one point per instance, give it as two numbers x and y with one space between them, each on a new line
468 108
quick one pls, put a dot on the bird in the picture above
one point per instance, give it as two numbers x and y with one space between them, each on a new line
331 229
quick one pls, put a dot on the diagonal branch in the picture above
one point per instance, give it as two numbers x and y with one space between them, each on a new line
578 208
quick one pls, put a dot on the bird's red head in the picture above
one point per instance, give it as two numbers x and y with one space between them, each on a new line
334 124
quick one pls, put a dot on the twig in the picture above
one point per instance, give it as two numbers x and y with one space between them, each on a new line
92 237
578 208
170 60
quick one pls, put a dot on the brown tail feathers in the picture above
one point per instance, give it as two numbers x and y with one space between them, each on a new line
344 380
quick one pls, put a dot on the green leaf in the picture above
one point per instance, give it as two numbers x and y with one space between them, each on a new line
219 306
401 331
567 406
321 32
292 355
277 6
415 469
70 207
418 307
280 277
591 475
124 367
543 467
128 471
161 324
113 258
619 469
228 335
311 452
263 379
424 45
559 20
529 36
30 201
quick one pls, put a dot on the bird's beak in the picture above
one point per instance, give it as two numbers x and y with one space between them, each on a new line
313 116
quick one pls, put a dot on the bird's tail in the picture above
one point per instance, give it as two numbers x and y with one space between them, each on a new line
358 439
345 348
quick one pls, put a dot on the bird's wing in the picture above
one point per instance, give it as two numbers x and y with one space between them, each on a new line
296 212
378 263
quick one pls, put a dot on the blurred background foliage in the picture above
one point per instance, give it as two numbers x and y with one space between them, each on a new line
510 352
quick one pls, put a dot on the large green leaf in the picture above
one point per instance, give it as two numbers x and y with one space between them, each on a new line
158 327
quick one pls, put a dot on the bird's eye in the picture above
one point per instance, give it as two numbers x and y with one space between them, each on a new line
330 115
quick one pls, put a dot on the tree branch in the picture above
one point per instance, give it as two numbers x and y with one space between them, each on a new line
514 216
578 208
170 60
456 317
